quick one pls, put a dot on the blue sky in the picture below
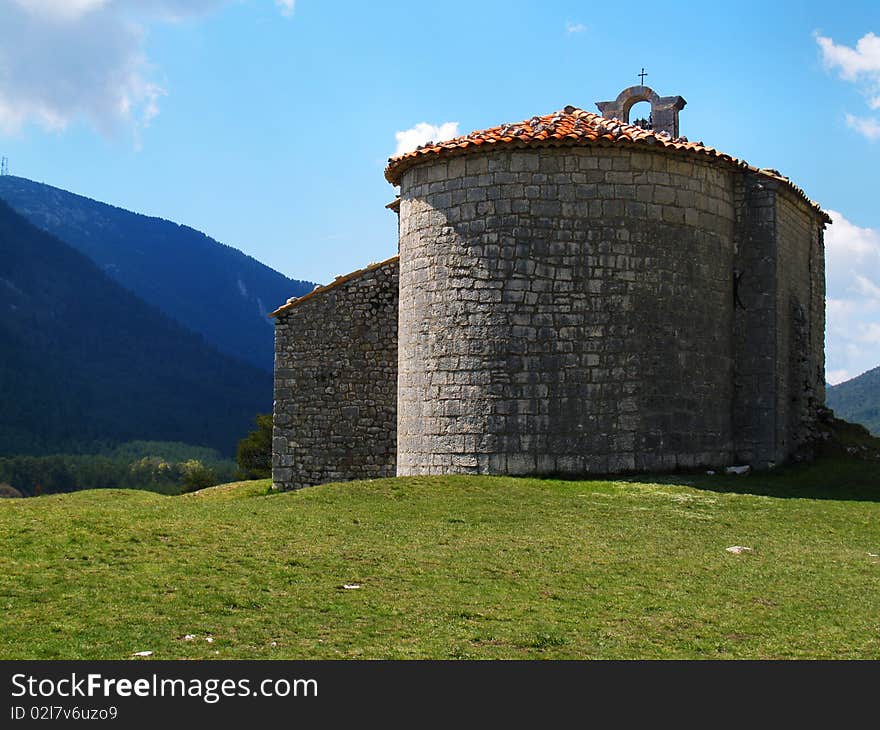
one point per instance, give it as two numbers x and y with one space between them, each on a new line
267 123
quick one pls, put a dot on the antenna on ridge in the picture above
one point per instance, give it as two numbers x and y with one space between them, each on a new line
4 166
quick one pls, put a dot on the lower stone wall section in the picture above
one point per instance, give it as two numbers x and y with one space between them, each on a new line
336 382
565 311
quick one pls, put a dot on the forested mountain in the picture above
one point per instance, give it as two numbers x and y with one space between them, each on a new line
208 287
858 400
85 362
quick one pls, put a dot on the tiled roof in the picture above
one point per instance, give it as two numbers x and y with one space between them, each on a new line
291 303
572 127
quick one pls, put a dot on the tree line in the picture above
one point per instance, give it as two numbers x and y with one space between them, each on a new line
130 468
164 467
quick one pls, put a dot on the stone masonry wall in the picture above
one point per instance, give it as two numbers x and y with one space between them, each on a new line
800 323
780 322
755 399
565 310
336 383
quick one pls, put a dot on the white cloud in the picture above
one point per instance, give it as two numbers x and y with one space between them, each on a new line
67 60
287 6
859 65
422 133
574 27
850 248
60 10
852 256
867 127
867 288
870 333
863 61
839 376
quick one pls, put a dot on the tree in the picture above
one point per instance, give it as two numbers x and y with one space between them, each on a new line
255 450
196 476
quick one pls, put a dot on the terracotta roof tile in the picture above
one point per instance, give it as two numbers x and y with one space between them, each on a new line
573 127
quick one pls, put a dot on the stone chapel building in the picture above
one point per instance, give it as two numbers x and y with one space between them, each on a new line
573 294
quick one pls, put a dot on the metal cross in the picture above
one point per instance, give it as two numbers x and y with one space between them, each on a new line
642 76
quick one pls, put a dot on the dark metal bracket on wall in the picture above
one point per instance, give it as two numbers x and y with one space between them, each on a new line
737 278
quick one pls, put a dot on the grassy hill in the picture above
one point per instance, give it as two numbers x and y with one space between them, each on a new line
452 567
858 400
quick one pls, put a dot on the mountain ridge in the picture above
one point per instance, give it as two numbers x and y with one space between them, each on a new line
87 362
209 287
858 400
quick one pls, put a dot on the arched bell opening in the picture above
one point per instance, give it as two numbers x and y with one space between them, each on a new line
663 114
641 113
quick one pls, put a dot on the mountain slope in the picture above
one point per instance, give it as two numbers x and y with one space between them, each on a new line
858 400
86 362
210 288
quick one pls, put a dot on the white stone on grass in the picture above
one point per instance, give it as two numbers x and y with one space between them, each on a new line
737 549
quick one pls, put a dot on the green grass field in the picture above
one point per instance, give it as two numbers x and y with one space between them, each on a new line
454 567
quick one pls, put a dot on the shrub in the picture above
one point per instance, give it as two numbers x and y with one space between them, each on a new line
7 491
197 476
254 453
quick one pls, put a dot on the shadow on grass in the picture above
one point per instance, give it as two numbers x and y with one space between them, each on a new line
839 478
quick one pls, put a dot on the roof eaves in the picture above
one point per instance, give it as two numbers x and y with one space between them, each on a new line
590 131
338 281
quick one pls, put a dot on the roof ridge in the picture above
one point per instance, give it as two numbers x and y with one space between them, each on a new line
547 122
573 126
338 281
